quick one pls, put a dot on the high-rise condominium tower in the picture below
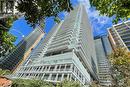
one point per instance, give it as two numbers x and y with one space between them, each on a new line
22 50
67 52
119 35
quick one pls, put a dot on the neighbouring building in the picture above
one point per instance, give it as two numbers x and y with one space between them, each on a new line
119 35
103 49
67 52
8 7
22 50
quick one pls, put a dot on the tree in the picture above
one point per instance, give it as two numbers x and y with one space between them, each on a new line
40 83
118 8
6 22
35 11
4 72
120 61
94 84
6 39
30 83
6 43
67 83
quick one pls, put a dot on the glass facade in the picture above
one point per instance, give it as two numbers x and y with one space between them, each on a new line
18 54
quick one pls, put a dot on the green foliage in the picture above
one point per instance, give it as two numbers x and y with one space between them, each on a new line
30 83
4 72
6 42
67 83
40 83
37 10
6 39
118 8
6 22
94 84
120 60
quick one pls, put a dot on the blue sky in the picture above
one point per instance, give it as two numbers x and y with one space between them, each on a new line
98 23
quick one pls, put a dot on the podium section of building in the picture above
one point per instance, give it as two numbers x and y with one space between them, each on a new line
119 35
67 52
22 50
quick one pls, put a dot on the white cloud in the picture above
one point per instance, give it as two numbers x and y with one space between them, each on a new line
94 13
98 22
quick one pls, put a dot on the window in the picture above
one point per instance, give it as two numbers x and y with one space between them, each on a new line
40 68
58 67
52 68
44 68
53 77
41 74
46 76
22 75
59 77
73 79
37 68
65 76
30 69
67 67
27 74
62 68
47 67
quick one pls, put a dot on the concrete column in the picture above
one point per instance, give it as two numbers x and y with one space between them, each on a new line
62 78
75 70
83 80
42 68
32 68
74 79
49 78
68 76
45 68
42 76
71 67
65 67
35 75
29 69
39 68
59 67
56 77
55 69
